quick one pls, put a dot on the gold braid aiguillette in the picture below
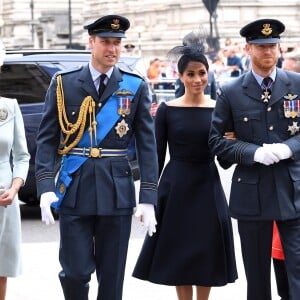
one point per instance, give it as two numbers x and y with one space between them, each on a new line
87 107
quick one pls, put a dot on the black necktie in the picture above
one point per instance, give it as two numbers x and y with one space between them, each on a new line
266 84
101 85
266 87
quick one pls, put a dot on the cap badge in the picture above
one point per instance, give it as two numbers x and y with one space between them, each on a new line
115 25
267 30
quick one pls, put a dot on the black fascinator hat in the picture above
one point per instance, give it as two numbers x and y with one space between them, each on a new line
192 49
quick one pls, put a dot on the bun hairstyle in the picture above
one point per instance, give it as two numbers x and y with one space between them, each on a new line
192 49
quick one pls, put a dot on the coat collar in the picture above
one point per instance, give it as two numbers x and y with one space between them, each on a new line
279 89
87 83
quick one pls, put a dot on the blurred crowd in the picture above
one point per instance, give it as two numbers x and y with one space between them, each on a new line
230 61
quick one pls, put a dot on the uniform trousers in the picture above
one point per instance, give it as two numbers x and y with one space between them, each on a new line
89 243
256 245
281 279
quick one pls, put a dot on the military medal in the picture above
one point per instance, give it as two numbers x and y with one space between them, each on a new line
266 96
124 109
124 102
291 106
294 128
3 114
123 106
122 128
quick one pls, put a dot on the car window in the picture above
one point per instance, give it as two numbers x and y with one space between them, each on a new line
25 82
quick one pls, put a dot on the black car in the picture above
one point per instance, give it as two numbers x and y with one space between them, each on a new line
26 75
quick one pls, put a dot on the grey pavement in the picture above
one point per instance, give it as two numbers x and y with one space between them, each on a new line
40 281
40 267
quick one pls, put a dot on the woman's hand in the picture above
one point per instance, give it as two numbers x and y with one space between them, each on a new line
230 135
7 196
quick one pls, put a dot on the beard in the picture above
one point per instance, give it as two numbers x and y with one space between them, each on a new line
265 63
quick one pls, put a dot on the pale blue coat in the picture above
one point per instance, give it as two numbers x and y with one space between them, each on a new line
12 139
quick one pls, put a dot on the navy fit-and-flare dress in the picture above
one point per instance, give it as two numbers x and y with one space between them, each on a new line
193 244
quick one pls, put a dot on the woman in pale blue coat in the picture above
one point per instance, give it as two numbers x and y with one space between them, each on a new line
12 177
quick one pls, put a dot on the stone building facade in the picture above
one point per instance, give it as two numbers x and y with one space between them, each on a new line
156 25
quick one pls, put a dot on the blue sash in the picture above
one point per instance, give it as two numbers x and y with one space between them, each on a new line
106 119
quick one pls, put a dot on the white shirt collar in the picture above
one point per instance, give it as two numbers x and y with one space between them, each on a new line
260 79
95 74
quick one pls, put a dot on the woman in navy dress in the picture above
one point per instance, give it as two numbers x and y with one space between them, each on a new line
193 245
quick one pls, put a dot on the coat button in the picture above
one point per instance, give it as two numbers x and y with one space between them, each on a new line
245 119
99 104
73 113
271 128
239 179
269 108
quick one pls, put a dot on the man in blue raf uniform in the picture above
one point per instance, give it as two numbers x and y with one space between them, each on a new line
94 193
262 107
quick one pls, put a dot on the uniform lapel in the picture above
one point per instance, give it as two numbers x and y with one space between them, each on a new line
88 86
112 84
251 87
280 87
87 83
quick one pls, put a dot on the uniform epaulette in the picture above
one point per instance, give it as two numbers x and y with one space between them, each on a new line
123 70
71 70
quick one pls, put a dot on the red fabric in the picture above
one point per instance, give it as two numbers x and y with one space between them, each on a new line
277 251
153 110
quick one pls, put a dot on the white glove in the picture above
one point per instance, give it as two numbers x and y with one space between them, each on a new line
282 151
45 205
265 156
145 212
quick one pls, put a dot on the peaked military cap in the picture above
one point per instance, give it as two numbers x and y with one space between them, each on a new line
108 26
263 31
129 46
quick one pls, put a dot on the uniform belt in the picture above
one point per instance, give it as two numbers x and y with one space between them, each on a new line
98 152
